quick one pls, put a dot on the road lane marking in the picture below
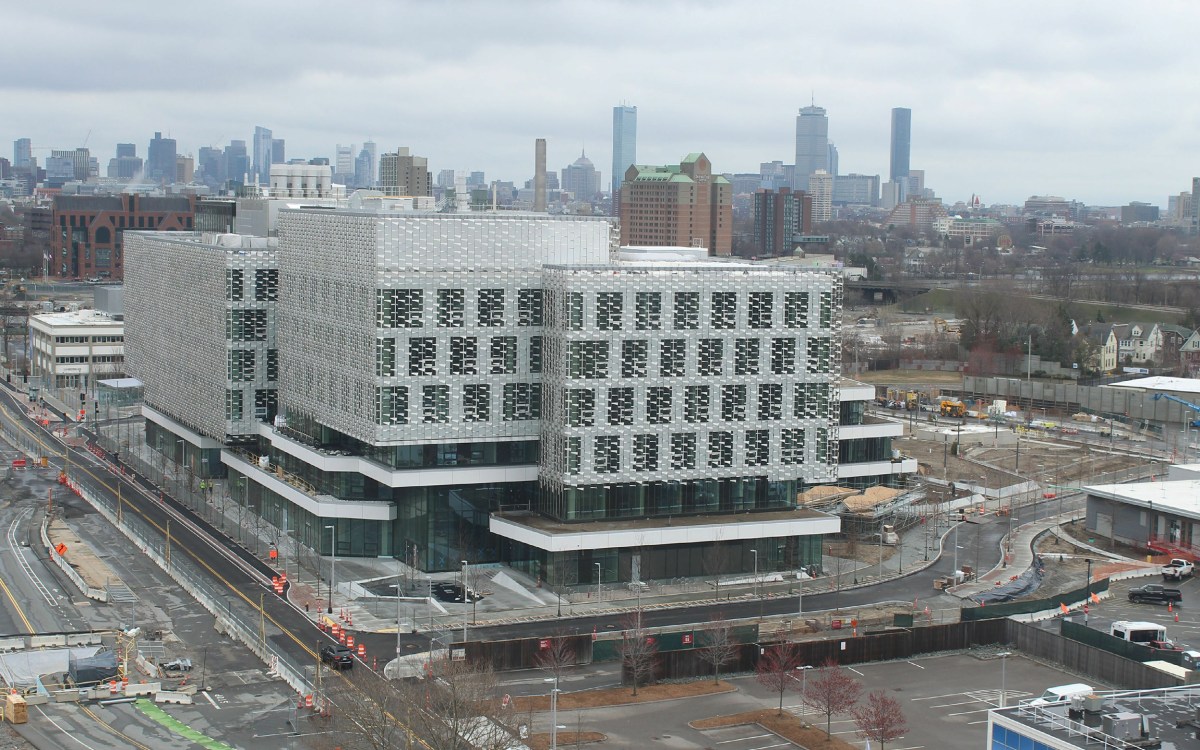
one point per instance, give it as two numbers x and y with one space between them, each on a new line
855 671
210 700
744 739
918 666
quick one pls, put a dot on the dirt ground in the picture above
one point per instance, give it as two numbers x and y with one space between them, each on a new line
910 377
787 726
565 739
622 696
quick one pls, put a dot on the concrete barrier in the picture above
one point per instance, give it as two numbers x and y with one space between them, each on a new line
84 639
142 688
68 696
12 644
168 696
36 700
42 641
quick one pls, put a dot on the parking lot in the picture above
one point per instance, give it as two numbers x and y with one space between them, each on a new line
1182 622
748 737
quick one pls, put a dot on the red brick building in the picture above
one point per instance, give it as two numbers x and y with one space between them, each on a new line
677 206
87 237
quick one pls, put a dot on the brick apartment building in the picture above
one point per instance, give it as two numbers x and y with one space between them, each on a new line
677 206
780 217
87 236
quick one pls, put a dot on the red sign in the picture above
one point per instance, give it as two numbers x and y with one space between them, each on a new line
19 463
687 639
836 625
544 644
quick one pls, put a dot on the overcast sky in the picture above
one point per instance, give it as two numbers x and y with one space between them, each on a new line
1095 101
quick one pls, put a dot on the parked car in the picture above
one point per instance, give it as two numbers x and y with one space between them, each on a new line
1178 569
337 656
452 592
1155 594
178 665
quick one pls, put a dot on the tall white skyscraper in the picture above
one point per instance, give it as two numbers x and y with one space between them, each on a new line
624 145
812 144
22 152
343 164
820 187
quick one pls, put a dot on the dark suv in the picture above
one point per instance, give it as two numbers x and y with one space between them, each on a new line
452 592
337 656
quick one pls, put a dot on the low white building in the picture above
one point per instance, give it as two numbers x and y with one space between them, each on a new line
69 349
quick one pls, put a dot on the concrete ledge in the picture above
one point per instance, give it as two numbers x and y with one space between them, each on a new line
167 696
142 688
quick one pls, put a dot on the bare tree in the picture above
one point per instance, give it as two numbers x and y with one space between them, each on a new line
831 691
716 646
462 709
881 718
716 560
557 654
370 714
638 650
776 668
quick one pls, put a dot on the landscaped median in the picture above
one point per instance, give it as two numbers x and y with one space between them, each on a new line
623 696
787 726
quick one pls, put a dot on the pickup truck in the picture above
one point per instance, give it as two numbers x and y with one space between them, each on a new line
1178 569
1156 594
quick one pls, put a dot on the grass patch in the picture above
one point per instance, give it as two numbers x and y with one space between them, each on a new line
622 696
565 739
787 726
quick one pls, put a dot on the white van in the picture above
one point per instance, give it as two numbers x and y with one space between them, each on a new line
1138 632
1062 693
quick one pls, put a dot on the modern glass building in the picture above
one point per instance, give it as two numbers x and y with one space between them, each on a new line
624 146
901 143
812 144
497 387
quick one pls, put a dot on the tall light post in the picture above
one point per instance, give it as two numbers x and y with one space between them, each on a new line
1087 592
755 572
553 712
464 590
1004 678
332 565
599 573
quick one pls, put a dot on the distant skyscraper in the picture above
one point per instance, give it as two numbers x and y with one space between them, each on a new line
126 149
22 152
401 173
539 175
445 178
278 152
160 160
581 179
812 144
901 142
682 205
125 165
833 160
820 187
371 177
779 217
624 148
343 164
262 155
237 162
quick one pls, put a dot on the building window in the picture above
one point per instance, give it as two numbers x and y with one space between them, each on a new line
241 366
490 311
826 309
709 356
246 325
645 452
819 356
522 401
464 355
573 304
609 309
746 356
391 405
266 285
530 307
658 405
761 308
733 403
435 404
770 402
811 400
234 278
606 454
451 304
477 402
620 406
272 365
696 404
503 355
783 356
574 454
720 450
233 405
823 447
535 354
399 308
634 355
758 447
687 311
724 310
795 310
385 358
649 311
587 359
683 450
422 356
266 403
791 447
672 354
581 407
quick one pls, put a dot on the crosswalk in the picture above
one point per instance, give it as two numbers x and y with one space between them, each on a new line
120 593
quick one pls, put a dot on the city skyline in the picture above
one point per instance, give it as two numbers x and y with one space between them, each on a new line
1000 121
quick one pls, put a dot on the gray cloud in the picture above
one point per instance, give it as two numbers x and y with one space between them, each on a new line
1094 101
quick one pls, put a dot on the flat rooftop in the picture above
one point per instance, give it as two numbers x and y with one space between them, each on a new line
549 525
1181 497
1159 383
1172 715
76 318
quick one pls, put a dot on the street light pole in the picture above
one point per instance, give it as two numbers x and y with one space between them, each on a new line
464 590
332 565
755 572
553 713
1004 678
599 572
